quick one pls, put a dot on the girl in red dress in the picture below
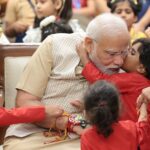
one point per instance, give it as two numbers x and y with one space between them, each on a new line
102 109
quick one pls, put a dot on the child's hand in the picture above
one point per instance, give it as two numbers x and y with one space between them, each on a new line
147 32
82 53
143 112
1 102
144 97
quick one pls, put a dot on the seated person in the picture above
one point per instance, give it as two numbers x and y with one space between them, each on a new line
52 16
53 77
18 17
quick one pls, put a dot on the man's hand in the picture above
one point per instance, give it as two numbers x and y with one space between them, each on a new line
52 113
19 27
78 104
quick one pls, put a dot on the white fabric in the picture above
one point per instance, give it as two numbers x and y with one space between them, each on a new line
13 69
1 147
3 39
33 35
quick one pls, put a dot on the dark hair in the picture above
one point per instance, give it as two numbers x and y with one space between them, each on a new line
66 12
59 26
134 4
144 53
101 102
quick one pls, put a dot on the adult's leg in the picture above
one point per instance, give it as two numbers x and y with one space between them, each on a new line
36 141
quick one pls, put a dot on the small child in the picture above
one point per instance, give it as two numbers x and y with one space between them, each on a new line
52 16
102 108
130 84
128 10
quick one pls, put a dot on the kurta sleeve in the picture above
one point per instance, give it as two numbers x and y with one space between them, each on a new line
35 76
143 132
21 115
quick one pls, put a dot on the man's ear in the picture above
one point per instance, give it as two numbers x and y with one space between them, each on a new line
141 69
88 42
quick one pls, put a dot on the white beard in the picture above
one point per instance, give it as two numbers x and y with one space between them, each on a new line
99 65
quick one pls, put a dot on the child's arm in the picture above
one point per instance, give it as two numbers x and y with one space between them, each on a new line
21 115
143 126
143 116
90 72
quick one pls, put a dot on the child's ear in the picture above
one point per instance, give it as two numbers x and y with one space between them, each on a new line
58 4
141 69
88 42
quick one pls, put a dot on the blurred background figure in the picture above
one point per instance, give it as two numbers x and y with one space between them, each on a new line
128 10
2 7
18 17
101 6
84 11
52 16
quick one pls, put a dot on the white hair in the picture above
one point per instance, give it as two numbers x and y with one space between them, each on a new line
105 24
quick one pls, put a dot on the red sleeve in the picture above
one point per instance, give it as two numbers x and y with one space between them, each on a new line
92 74
84 143
21 115
143 132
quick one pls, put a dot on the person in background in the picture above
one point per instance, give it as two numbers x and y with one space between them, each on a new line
52 16
144 22
102 109
18 17
101 6
128 10
84 7
3 4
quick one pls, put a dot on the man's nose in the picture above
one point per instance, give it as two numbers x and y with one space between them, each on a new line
118 60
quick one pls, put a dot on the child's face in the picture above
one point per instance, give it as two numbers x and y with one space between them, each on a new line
124 10
132 60
45 8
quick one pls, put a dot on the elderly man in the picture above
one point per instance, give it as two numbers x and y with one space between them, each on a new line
53 76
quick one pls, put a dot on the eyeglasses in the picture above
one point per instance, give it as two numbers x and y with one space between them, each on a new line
112 53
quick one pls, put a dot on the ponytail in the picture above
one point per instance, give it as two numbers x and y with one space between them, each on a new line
101 103
104 121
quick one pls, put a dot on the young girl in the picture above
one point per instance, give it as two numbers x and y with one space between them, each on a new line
128 10
52 16
102 108
130 84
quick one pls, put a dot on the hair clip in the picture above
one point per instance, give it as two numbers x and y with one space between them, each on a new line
47 21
